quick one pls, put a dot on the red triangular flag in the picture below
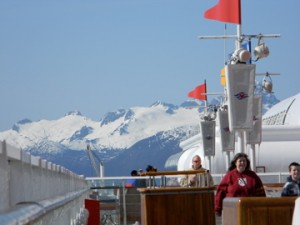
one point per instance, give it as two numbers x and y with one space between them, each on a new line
199 92
225 11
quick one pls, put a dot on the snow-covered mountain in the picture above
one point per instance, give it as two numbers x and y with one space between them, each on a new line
117 130
125 139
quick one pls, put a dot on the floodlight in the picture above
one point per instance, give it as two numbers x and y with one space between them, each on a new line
261 50
241 56
208 116
267 84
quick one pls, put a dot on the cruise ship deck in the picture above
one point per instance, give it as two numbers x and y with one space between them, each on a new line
137 202
35 191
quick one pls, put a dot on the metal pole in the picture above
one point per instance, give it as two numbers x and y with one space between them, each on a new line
253 157
239 33
101 169
227 159
240 140
209 162
124 204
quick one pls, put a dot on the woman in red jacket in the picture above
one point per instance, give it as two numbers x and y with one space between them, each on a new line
239 181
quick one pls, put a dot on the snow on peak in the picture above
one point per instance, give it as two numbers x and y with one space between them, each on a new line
113 116
17 125
167 105
74 113
117 130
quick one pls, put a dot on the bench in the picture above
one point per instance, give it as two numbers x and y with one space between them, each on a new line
258 211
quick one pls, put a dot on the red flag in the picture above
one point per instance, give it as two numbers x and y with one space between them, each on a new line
199 92
225 11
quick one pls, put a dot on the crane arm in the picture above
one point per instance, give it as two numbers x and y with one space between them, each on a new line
91 156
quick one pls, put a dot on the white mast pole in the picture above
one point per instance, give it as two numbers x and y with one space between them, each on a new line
240 133
208 157
238 35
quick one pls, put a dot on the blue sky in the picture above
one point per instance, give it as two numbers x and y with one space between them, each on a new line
97 56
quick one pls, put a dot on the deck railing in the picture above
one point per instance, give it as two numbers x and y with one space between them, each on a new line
129 197
32 188
35 190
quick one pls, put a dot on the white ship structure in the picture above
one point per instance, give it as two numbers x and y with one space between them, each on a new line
280 141
271 140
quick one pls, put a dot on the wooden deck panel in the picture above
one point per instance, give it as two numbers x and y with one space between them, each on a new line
177 206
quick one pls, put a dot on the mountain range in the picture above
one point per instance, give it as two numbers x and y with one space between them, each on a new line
123 140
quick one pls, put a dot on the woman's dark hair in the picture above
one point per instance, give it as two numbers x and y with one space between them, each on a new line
235 158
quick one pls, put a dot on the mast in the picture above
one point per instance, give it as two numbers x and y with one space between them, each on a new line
229 11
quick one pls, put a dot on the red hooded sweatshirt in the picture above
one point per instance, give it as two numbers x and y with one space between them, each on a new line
235 184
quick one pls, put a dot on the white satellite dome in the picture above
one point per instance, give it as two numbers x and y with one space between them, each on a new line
285 112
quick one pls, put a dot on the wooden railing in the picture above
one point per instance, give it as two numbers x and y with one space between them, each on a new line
164 174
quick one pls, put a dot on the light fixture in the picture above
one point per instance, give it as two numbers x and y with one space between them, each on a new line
240 56
261 50
267 84
208 116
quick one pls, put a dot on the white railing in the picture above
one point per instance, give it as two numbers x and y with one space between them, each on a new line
36 191
104 186
268 178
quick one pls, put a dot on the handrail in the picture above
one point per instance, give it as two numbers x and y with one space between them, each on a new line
274 185
105 187
163 175
31 211
175 189
32 187
182 172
